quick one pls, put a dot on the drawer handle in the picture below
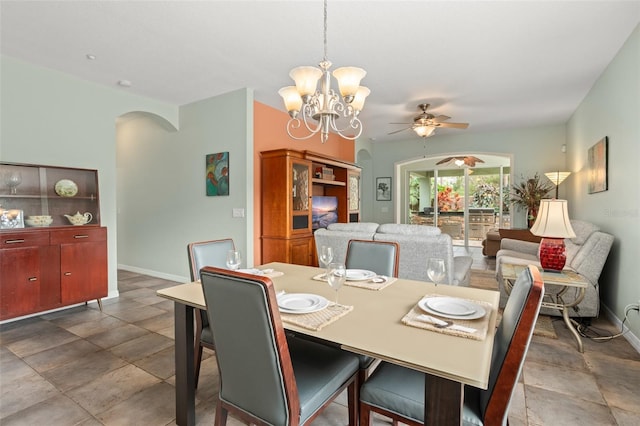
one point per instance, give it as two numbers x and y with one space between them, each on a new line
80 236
14 241
66 274
32 279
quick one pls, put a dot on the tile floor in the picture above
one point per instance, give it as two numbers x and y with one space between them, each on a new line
85 367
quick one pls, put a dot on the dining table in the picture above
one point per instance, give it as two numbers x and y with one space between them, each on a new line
372 326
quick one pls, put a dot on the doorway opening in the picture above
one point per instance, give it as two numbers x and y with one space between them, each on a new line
465 199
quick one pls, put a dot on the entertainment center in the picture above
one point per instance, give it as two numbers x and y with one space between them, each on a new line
299 192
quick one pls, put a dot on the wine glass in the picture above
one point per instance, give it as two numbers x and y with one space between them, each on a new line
435 270
234 259
12 180
326 255
336 275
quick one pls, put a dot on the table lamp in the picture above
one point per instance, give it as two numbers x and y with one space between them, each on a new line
552 224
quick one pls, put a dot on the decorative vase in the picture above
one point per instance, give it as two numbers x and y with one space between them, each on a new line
532 213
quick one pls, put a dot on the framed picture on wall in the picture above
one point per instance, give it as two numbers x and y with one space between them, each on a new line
217 174
597 162
383 189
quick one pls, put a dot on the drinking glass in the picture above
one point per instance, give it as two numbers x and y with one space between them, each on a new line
435 270
326 255
234 259
336 275
13 180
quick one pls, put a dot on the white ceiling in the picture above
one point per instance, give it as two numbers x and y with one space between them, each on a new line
495 65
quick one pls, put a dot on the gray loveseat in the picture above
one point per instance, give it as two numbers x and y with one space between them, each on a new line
417 243
586 255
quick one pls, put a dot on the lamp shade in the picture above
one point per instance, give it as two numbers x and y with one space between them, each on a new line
424 131
291 97
306 79
557 177
359 98
349 80
553 220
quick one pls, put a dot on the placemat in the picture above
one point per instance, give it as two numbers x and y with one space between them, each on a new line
480 325
368 284
317 320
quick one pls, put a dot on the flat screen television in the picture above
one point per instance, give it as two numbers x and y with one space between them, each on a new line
324 211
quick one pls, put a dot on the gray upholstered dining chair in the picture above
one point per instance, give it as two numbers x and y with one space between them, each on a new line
266 378
380 257
200 254
399 393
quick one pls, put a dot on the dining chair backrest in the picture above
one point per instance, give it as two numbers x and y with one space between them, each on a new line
208 253
511 344
399 392
380 257
256 373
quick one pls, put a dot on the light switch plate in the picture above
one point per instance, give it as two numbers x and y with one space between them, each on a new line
237 212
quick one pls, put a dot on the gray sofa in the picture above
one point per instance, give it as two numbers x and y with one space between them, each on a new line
586 255
417 244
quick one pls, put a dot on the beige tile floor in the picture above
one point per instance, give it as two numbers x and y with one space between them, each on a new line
85 367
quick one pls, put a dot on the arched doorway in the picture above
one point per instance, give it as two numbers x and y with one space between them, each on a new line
463 197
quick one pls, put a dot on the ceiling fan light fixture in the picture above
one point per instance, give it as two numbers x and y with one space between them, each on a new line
459 163
424 131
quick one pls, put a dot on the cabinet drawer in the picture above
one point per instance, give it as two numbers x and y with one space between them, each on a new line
23 239
80 235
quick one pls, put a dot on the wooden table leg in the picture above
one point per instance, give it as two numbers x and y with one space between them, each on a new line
443 400
185 376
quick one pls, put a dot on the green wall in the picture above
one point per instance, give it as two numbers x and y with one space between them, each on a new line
612 109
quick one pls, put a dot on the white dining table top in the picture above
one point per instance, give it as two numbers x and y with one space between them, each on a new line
374 326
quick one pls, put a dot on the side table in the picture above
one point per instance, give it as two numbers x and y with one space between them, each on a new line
564 279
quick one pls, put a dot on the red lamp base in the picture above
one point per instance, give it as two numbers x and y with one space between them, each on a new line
551 254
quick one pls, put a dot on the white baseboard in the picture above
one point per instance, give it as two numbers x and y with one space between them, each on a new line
631 338
155 274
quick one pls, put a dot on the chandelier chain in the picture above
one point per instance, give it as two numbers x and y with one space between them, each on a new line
325 30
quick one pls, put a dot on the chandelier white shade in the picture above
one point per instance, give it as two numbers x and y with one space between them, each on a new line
320 110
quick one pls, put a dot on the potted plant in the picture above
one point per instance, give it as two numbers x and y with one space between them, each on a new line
528 193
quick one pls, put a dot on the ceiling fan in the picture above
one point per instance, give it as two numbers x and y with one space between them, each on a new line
468 160
425 123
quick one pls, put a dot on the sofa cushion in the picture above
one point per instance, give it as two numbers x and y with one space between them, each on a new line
365 227
583 230
406 229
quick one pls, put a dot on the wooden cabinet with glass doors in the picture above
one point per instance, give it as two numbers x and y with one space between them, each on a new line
291 180
53 251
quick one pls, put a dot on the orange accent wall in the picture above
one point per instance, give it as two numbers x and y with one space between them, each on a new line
269 132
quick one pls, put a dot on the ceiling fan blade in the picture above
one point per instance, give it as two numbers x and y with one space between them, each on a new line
453 125
398 131
446 160
441 118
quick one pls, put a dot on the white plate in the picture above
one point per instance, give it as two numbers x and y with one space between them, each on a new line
66 188
451 307
301 303
359 275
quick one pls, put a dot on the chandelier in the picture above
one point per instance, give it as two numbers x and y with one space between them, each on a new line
304 103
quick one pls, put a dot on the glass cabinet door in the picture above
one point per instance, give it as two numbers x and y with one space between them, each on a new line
300 190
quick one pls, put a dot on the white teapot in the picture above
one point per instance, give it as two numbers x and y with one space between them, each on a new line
79 218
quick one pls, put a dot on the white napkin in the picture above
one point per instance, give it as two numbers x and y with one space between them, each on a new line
436 321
